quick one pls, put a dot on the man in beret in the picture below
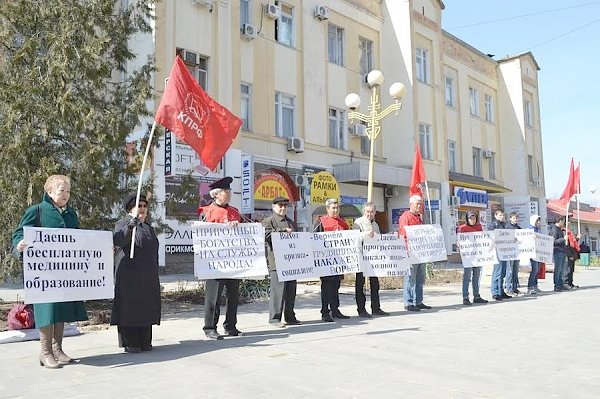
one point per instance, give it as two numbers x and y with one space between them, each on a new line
283 293
219 211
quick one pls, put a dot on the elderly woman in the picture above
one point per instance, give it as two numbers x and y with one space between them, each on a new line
50 318
136 306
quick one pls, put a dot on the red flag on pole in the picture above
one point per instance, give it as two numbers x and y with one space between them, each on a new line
569 190
577 180
194 117
418 175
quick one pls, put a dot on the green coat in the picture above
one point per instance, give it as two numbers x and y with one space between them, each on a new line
49 216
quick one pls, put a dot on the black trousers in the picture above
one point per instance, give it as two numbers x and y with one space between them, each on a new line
359 291
570 270
212 311
282 299
138 337
330 297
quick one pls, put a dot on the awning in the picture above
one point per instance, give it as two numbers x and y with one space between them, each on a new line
469 181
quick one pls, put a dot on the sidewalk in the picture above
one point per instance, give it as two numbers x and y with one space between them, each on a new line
542 346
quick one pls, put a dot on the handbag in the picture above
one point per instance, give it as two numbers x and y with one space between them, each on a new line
20 317
541 274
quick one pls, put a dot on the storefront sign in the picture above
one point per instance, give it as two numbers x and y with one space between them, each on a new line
247 184
271 186
471 197
521 206
323 186
346 199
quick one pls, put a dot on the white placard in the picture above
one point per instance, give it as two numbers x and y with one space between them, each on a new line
222 251
62 265
336 252
477 248
425 243
293 256
507 247
526 241
544 248
385 255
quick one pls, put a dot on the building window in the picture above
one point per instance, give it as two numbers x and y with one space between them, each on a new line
365 48
489 109
425 141
528 114
245 12
530 168
474 101
197 65
492 165
284 25
422 65
246 106
337 130
284 115
452 156
477 162
335 44
449 91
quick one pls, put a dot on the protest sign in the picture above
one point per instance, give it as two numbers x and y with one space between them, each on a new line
507 246
223 251
62 265
477 248
293 256
425 243
385 255
544 248
526 242
336 252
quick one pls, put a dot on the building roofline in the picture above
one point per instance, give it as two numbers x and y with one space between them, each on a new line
467 45
514 57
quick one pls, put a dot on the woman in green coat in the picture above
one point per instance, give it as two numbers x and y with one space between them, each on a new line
50 318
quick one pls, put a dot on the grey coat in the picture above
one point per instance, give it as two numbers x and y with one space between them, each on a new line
275 224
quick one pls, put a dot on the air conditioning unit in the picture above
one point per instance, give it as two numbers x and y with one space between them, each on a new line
358 130
301 180
487 153
248 31
272 10
203 3
322 13
189 56
295 144
389 192
454 201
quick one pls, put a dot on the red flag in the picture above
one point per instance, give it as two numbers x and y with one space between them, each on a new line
577 180
418 174
194 117
565 198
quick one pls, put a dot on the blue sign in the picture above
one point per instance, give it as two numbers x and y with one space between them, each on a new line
435 205
471 197
346 199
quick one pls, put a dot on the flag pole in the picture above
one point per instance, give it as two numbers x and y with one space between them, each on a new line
428 202
139 187
577 197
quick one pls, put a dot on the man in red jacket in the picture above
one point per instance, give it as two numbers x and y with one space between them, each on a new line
472 225
219 211
413 284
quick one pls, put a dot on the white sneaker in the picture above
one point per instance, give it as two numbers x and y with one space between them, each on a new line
532 291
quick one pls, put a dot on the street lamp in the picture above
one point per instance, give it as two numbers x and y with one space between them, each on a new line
397 90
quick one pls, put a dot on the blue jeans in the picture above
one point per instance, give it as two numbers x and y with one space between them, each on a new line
533 280
511 283
476 273
413 285
559 266
497 278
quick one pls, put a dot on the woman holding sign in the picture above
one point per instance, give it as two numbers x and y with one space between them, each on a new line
136 306
50 318
472 225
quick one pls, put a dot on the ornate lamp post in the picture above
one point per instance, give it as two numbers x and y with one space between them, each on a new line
397 90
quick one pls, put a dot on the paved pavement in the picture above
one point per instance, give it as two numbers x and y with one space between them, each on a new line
545 346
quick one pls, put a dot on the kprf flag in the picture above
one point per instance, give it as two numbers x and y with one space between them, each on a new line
571 188
194 117
418 175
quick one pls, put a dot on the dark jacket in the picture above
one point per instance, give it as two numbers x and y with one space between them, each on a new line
137 288
46 214
275 224
510 226
497 225
559 238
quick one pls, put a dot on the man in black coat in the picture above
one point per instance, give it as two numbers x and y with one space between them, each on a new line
283 293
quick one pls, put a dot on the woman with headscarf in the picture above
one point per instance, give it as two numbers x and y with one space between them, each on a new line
471 225
136 306
50 318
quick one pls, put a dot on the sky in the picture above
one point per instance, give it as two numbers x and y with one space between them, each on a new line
564 37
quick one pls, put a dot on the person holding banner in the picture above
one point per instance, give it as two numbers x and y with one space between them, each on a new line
330 285
50 318
471 225
368 228
572 252
499 271
560 248
283 293
413 284
511 282
219 211
136 307
532 282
